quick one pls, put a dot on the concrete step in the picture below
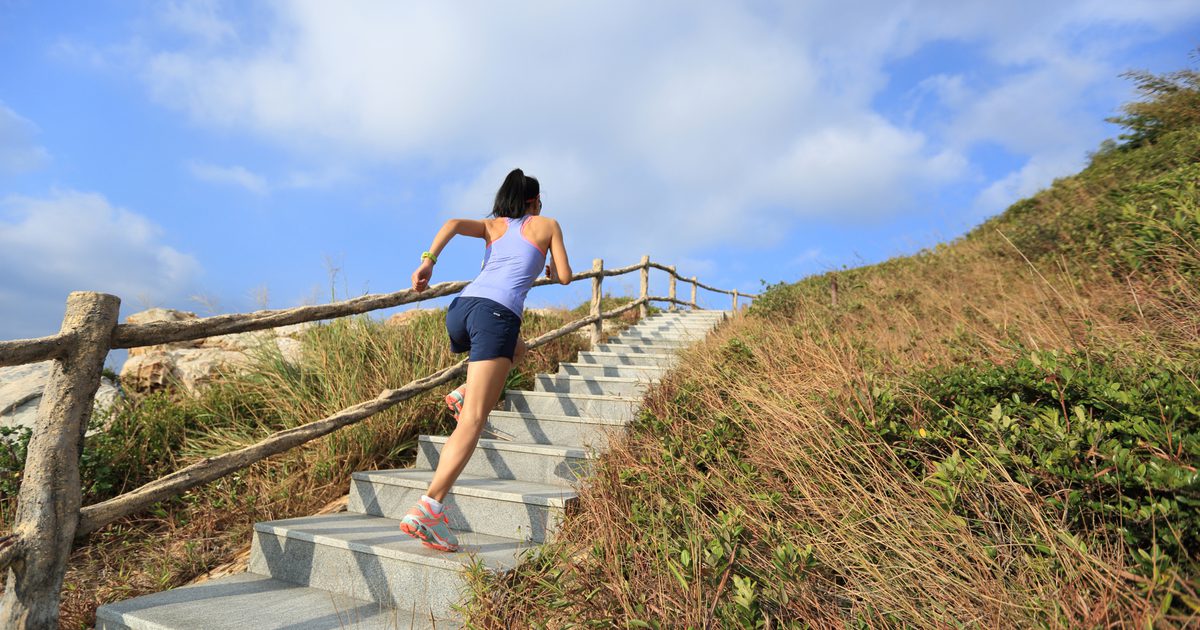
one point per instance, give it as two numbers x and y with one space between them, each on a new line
698 315
673 343
368 558
644 372
593 357
608 406
578 431
667 331
510 508
598 385
249 600
549 464
620 348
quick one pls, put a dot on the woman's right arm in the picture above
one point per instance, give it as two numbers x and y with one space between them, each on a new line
465 227
558 252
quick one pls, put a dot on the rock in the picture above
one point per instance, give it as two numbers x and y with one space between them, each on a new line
405 317
194 364
161 315
21 392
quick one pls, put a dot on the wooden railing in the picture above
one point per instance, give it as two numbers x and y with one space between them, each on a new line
49 516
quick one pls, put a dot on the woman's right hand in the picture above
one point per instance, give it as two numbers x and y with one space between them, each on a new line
421 277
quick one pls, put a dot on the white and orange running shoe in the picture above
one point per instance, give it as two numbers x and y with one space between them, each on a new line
432 530
454 400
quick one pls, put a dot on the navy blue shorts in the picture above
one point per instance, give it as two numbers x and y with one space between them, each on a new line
485 327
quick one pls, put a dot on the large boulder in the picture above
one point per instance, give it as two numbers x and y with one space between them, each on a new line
194 364
21 389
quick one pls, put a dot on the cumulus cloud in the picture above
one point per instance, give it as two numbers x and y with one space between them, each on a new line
19 152
75 241
702 123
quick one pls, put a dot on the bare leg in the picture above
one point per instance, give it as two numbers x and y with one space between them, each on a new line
520 353
485 380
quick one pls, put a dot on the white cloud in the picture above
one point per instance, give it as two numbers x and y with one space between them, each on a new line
698 123
258 184
19 152
197 18
238 176
74 241
1034 175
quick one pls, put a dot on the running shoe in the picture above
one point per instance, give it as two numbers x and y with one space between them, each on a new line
433 531
454 400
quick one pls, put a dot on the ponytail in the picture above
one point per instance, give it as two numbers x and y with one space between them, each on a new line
512 200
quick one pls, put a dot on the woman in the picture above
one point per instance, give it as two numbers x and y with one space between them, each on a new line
485 319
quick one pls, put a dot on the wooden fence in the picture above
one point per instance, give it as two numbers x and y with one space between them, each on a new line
49 516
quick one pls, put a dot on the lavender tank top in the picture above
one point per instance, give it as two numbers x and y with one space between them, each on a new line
510 265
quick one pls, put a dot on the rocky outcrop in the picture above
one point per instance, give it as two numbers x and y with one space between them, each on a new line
21 392
193 364
405 317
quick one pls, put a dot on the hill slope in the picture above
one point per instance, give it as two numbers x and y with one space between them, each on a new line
1003 431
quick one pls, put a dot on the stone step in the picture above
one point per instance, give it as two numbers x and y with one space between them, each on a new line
666 342
593 357
549 464
368 558
578 431
666 331
509 508
696 315
645 372
598 385
249 600
611 407
620 348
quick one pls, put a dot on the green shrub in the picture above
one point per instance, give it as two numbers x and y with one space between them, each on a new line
1110 445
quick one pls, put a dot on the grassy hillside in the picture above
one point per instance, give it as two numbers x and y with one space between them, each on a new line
1000 432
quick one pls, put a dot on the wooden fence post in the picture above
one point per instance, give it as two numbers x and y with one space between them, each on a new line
48 504
735 297
833 291
693 292
598 327
671 293
644 309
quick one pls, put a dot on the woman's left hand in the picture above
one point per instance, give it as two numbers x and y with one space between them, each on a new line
420 277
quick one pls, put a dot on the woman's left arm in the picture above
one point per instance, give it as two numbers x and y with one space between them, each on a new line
465 227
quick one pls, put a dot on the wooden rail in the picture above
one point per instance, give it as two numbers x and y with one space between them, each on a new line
49 518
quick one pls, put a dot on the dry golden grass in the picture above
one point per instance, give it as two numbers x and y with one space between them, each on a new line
763 418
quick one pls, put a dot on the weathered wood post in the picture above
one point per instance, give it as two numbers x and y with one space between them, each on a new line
833 291
671 292
693 292
598 327
735 297
49 500
644 309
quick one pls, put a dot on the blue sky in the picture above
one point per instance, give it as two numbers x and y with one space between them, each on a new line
216 156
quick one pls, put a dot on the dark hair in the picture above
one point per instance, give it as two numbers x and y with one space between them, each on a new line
512 200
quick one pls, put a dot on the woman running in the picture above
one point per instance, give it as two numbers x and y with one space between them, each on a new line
485 319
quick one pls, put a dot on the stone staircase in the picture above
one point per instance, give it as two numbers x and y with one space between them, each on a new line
355 569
